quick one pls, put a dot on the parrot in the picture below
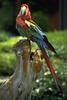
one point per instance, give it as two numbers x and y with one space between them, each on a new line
28 28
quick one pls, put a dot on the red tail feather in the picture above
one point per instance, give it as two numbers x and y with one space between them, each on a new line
51 67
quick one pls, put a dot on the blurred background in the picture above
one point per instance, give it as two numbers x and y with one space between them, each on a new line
51 16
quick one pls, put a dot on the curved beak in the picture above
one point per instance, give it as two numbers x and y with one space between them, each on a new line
23 10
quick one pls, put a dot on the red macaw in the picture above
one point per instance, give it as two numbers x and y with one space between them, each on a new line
28 28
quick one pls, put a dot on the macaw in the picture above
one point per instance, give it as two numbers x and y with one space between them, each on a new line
28 28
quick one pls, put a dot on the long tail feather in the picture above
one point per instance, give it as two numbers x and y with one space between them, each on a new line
51 69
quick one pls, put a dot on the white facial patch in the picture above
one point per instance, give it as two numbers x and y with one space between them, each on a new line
23 10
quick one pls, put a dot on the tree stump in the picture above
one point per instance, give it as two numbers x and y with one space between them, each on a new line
19 85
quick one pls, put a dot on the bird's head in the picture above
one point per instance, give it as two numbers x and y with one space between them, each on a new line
25 11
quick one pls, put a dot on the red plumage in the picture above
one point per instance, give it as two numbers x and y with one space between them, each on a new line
20 19
27 16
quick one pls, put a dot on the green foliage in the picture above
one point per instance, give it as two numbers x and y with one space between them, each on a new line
7 56
41 20
3 36
7 63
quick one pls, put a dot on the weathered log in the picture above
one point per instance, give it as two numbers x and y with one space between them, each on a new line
19 85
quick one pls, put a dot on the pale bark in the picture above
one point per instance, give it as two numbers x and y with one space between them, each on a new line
19 85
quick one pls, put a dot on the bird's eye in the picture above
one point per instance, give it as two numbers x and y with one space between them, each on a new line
23 10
